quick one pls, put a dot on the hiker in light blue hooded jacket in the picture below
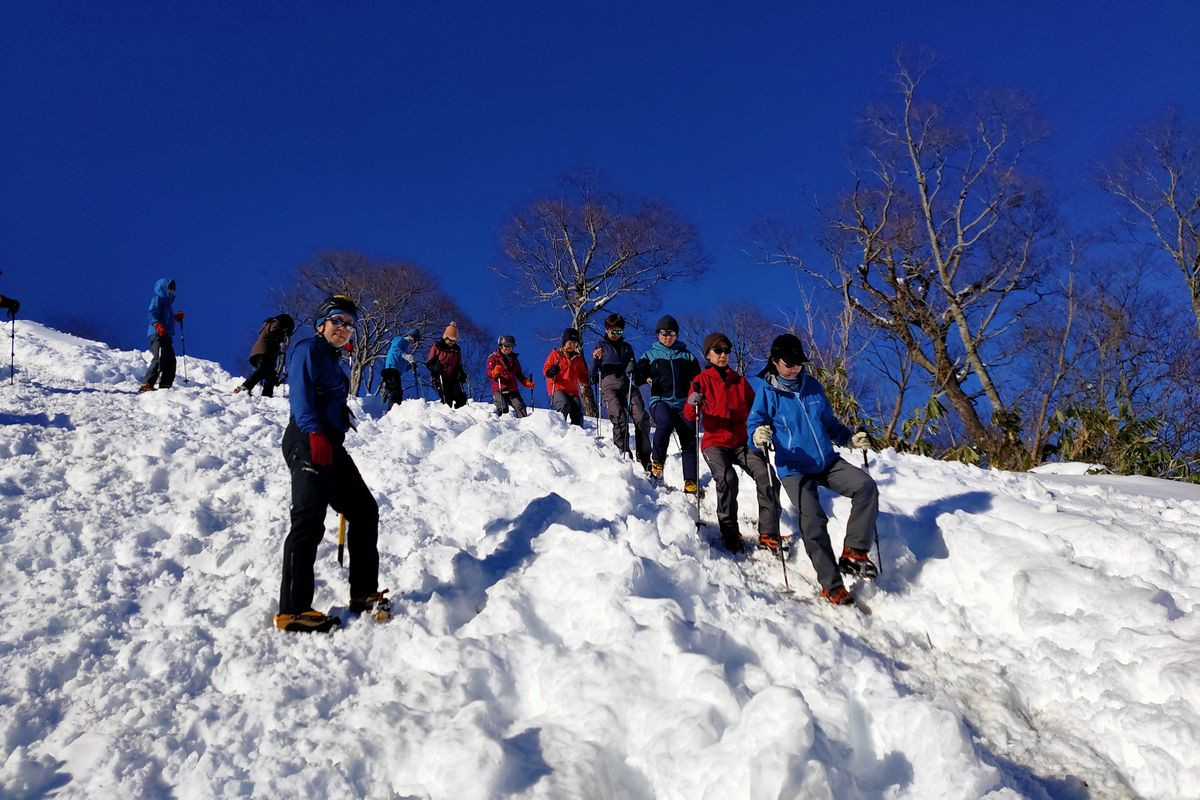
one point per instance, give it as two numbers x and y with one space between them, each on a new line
162 317
792 416
401 356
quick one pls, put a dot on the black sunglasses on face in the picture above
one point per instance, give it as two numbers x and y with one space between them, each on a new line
787 362
722 351
667 333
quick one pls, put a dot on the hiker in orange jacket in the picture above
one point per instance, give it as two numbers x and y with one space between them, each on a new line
566 372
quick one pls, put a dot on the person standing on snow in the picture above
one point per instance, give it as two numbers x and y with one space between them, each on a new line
504 368
444 363
264 355
792 415
11 305
566 374
669 368
724 398
401 355
162 316
612 365
324 475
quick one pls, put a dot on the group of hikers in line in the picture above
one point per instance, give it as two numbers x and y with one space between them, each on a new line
780 431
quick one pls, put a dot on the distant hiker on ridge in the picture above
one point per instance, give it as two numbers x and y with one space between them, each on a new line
324 475
792 415
566 372
401 356
612 368
264 355
444 363
162 316
504 368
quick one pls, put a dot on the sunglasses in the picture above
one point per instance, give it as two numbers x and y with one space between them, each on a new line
789 363
340 322
617 331
506 346
722 351
668 333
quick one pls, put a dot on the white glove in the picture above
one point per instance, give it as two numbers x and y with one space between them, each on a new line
409 358
763 435
860 441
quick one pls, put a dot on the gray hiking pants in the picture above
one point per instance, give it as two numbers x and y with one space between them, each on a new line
619 404
848 481
506 400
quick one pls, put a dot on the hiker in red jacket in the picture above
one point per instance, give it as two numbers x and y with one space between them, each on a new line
724 398
504 368
566 372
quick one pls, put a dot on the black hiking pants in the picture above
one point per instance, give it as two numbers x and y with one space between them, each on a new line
314 490
721 462
666 420
393 387
264 370
162 362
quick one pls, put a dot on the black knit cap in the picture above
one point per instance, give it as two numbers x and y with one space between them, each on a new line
714 339
570 335
667 323
788 347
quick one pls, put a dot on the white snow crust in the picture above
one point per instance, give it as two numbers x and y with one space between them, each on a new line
561 630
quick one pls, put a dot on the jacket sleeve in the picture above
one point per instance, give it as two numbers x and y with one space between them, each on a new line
302 390
695 385
154 312
759 415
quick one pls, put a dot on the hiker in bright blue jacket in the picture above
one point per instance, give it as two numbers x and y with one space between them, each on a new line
792 416
162 316
400 357
324 475
669 368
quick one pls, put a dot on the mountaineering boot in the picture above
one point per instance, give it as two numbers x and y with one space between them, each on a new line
769 541
645 466
838 596
308 622
375 603
689 487
145 387
656 470
732 540
857 563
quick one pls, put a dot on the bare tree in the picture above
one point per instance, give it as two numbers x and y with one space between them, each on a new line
942 238
1157 178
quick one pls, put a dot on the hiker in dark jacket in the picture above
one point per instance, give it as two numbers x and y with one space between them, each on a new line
401 355
669 369
162 316
264 355
324 475
444 363
723 398
792 415
612 372
504 368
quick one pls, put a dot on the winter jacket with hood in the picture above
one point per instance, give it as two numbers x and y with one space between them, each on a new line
270 338
161 309
572 372
446 360
727 401
401 346
803 421
616 358
670 371
318 388
505 372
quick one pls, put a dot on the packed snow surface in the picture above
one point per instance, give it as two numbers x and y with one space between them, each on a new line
562 630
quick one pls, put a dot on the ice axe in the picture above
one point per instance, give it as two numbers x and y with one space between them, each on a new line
341 537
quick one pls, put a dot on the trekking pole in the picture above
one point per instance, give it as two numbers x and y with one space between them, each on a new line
12 351
416 379
878 552
787 587
183 350
699 524
341 537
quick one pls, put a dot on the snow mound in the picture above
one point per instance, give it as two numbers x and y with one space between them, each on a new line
561 630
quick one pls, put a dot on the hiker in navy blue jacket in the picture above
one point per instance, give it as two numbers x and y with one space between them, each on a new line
669 368
400 357
612 368
324 475
792 416
162 316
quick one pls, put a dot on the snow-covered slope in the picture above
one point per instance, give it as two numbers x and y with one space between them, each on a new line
562 631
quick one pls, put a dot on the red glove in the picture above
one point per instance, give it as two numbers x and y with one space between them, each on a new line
528 383
497 371
159 329
179 316
321 449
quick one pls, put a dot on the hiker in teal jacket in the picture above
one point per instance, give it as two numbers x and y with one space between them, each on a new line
669 368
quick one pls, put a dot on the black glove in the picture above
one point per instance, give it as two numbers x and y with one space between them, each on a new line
553 371
434 366
12 304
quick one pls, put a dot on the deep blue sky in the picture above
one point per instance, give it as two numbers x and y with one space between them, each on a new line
222 143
